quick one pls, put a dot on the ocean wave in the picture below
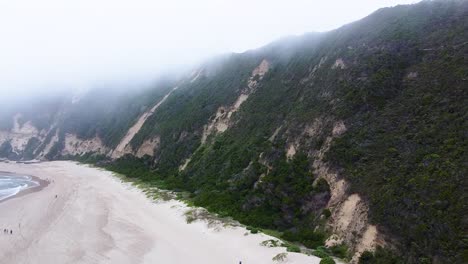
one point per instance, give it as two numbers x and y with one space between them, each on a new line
11 185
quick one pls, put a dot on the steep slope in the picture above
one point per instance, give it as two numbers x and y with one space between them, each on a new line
304 108
123 147
20 138
353 139
67 125
221 121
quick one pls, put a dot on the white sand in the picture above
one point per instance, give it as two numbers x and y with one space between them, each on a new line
98 219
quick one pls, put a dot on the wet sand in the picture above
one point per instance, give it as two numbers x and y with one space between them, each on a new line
42 185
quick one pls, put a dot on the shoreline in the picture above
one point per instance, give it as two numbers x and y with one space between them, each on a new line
99 218
42 184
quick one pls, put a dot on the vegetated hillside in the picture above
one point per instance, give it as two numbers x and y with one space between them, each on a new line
91 122
354 138
396 80
108 116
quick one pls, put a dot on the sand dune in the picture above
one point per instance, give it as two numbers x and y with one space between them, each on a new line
98 219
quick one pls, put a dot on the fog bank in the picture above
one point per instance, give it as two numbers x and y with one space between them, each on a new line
53 45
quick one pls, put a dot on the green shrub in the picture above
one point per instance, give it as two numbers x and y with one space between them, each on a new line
326 212
307 237
271 243
327 260
322 248
280 257
293 248
382 256
322 185
340 251
252 230
320 254
366 257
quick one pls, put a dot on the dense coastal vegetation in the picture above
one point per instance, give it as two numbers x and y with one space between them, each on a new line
396 80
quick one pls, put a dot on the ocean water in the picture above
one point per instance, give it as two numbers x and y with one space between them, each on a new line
12 184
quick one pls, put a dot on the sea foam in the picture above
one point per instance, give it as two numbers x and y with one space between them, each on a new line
11 185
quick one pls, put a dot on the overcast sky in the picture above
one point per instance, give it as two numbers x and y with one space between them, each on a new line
60 44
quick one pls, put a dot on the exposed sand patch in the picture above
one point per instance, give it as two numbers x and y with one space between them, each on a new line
351 224
242 98
98 219
184 166
77 146
338 186
218 124
49 145
322 61
313 129
222 119
291 151
19 135
412 75
262 159
369 241
349 219
124 147
338 129
260 71
347 210
312 71
148 147
196 75
275 134
339 64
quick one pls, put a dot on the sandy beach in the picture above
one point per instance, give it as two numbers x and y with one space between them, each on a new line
97 218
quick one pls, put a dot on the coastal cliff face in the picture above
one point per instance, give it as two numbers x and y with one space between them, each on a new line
354 139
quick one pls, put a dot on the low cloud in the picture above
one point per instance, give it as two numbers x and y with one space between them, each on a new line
53 45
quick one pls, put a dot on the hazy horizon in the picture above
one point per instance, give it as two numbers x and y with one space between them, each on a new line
54 46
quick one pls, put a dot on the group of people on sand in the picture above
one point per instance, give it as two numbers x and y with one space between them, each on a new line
8 231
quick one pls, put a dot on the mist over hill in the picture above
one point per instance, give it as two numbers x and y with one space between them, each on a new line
352 139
